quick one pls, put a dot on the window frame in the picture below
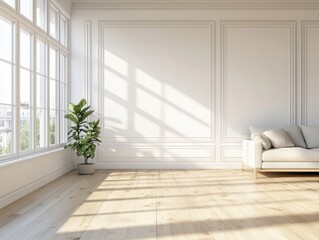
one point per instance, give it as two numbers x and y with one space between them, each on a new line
45 108
14 65
57 107
19 21
23 27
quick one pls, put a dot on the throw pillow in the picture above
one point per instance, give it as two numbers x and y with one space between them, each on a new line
261 138
293 132
279 138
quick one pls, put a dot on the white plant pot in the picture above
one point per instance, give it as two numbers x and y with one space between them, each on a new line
86 169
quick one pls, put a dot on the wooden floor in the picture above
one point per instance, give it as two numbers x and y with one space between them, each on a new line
172 204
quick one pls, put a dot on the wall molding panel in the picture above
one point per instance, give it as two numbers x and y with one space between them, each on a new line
228 25
179 88
87 61
163 24
231 154
306 74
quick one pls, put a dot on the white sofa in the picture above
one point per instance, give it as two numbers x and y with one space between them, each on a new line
301 157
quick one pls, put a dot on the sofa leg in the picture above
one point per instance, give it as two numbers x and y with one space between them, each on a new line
256 171
255 174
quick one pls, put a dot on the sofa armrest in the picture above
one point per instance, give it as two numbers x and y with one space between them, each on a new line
252 152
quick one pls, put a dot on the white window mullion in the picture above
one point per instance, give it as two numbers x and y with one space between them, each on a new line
48 95
16 142
34 87
57 99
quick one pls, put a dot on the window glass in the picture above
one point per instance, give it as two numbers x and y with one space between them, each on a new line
41 14
53 63
25 88
5 83
6 40
41 92
6 131
52 127
63 97
26 7
40 128
41 57
25 49
25 129
53 23
52 94
63 67
63 31
41 96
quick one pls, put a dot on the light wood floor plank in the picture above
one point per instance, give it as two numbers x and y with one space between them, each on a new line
167 204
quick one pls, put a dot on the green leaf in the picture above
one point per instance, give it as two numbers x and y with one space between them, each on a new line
71 107
85 109
85 115
72 117
77 108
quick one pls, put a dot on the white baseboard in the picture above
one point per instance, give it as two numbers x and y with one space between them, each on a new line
19 193
167 165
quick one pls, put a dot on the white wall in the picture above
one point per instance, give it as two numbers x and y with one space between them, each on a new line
179 88
21 177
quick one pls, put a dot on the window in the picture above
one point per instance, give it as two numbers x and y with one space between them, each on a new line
63 31
54 23
26 82
26 7
41 95
63 94
33 93
41 14
53 95
7 65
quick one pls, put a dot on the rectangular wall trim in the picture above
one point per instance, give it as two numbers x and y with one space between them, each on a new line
228 25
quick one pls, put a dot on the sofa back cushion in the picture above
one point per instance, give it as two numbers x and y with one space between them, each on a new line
311 135
294 133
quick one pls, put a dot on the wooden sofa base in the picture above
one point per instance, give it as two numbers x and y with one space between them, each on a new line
261 170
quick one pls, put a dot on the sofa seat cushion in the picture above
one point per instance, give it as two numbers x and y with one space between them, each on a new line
290 165
295 154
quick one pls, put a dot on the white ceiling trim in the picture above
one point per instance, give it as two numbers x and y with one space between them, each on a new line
196 4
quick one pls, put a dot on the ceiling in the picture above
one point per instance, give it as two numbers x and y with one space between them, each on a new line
196 4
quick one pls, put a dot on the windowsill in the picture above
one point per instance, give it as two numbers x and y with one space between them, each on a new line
21 159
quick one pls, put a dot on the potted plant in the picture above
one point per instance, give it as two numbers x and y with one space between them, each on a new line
83 135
